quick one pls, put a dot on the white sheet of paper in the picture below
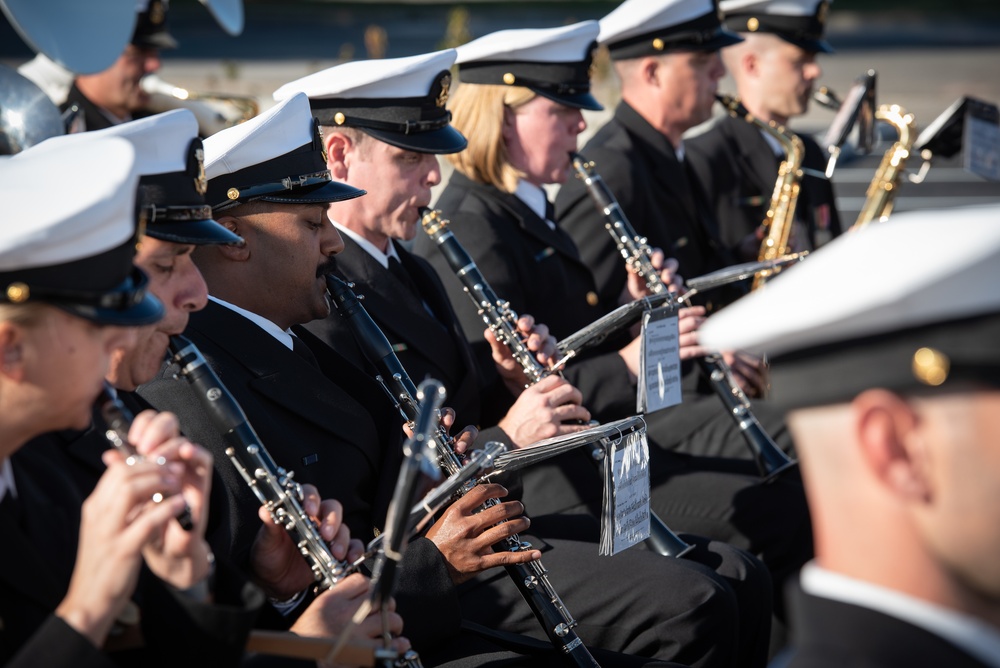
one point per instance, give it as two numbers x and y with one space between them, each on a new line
660 372
981 145
630 478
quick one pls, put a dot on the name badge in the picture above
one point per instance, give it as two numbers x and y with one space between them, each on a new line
660 361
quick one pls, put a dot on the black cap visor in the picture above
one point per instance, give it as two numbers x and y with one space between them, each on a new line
198 232
440 141
127 305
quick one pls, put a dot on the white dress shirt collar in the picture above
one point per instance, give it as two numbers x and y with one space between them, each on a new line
369 247
534 197
282 335
7 480
972 635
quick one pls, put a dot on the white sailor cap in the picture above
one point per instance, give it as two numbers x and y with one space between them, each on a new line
800 22
552 62
171 162
275 157
400 101
638 28
889 306
74 251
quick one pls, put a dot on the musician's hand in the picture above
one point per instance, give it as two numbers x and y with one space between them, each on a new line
748 372
538 341
688 321
541 411
276 562
331 612
636 288
176 556
465 536
117 521
464 439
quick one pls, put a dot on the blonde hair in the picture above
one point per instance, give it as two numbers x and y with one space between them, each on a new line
478 113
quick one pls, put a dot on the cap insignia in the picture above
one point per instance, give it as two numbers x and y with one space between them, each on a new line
233 193
753 24
509 79
201 180
821 11
442 98
339 118
931 366
18 292
156 12
658 44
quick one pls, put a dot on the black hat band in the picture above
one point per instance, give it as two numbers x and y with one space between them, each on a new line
299 168
702 33
155 214
409 126
126 295
566 78
801 28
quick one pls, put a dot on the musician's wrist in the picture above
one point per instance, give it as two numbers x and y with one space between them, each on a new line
201 590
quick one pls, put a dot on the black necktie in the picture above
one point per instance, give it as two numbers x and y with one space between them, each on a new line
397 269
302 350
550 210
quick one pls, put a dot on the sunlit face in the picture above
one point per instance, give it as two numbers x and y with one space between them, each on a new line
119 88
65 361
177 283
687 83
292 248
961 519
786 74
398 182
539 136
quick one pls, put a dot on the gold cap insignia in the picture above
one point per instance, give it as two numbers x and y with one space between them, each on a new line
339 118
592 298
753 24
442 98
157 13
509 79
201 180
821 11
233 193
658 44
931 366
18 292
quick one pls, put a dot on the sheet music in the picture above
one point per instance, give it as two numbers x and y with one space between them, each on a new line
660 369
625 516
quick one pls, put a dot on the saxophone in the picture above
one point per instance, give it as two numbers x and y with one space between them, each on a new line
882 191
781 210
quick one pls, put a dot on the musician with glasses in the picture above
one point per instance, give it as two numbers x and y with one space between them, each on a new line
775 68
909 417
71 298
383 124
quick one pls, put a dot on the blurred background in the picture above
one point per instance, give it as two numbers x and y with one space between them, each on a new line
927 54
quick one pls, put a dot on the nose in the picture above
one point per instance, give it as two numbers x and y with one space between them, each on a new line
717 70
812 71
579 123
433 170
193 293
330 241
152 62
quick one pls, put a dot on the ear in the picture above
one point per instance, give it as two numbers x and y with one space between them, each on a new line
750 64
889 435
12 351
338 149
509 129
238 252
649 70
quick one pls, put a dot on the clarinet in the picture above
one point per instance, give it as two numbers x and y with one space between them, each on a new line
275 487
502 321
531 579
118 418
635 250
